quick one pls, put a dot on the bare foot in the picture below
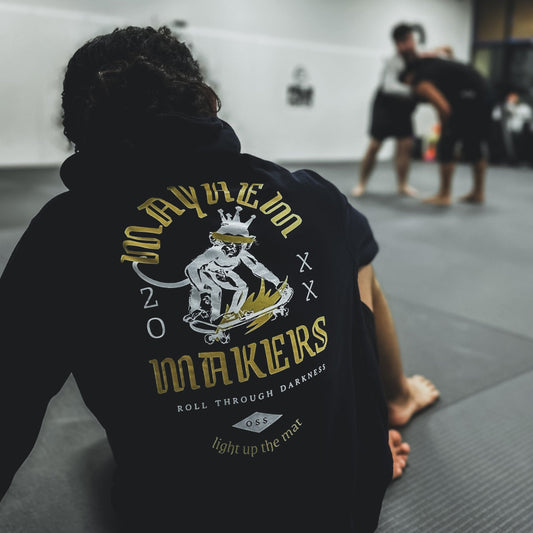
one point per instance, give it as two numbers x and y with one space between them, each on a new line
438 199
358 190
400 450
407 190
420 393
472 198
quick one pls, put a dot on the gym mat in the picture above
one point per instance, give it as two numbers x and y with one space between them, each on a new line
470 469
462 357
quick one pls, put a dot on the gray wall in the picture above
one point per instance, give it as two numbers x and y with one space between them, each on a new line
249 48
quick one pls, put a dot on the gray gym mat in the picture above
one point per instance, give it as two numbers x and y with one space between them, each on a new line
470 469
463 357
63 486
470 260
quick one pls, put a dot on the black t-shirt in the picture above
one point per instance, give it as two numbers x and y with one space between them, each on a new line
461 84
210 315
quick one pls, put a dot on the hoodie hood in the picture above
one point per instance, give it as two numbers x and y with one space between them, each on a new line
164 146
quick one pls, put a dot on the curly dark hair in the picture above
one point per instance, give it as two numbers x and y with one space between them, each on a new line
117 82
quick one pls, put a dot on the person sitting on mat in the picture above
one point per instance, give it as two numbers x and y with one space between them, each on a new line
282 423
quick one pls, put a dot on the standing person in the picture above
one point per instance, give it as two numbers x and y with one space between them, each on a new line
155 280
392 111
462 99
515 118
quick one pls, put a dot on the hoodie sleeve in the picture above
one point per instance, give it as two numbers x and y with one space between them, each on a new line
357 232
361 242
34 331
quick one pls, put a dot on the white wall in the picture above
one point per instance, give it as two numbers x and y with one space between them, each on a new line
249 49
35 45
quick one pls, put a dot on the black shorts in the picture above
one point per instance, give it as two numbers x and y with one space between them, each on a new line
469 125
391 116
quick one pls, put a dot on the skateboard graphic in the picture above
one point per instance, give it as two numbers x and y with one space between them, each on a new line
219 332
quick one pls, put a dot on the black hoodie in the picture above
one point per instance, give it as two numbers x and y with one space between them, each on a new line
206 303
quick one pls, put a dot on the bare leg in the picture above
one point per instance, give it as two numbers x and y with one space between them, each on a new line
477 195
400 450
402 160
444 196
405 395
367 165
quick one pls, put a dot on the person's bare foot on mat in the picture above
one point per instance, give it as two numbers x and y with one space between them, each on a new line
407 190
472 198
418 393
438 199
400 450
358 190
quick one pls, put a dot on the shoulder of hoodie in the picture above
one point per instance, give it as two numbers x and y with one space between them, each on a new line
61 204
300 180
306 181
63 214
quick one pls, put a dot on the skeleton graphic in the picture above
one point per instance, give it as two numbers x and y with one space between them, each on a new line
213 271
212 274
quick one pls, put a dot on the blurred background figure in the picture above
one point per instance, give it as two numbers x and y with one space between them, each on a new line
393 107
461 97
514 129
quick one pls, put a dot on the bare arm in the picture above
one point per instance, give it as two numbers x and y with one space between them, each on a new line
390 360
429 92
440 51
